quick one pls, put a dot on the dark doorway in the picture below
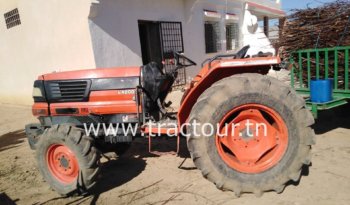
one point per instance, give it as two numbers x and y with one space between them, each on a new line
158 39
150 42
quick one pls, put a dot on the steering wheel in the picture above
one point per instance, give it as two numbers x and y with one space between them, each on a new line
177 57
241 53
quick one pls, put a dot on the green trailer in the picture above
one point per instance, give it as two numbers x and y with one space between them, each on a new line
321 63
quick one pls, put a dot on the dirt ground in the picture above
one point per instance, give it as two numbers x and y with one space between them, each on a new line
139 178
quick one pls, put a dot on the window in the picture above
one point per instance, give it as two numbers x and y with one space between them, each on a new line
12 18
212 37
232 37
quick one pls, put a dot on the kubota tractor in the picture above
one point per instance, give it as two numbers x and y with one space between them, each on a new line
268 142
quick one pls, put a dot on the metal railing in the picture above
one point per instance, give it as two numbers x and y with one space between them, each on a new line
321 63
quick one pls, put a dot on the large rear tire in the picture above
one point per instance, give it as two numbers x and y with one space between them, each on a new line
67 159
253 164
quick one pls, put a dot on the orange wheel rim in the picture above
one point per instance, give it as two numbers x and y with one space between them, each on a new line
252 138
62 163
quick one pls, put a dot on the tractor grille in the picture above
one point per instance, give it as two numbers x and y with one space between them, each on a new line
67 91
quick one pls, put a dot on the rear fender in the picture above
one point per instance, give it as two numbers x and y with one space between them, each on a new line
219 70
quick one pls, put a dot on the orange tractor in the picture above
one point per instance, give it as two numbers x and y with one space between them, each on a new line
268 142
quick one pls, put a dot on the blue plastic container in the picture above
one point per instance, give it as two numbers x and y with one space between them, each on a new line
321 91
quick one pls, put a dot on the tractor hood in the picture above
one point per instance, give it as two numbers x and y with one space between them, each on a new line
119 72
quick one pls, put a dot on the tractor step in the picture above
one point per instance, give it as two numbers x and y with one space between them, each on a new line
161 128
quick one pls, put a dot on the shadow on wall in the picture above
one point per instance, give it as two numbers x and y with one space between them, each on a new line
114 40
11 140
329 120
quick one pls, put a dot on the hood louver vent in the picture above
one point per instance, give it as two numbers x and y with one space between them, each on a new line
67 91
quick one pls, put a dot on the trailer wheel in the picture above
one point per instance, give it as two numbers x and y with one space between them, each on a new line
67 159
260 138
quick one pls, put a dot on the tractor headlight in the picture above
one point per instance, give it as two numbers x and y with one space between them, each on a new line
39 91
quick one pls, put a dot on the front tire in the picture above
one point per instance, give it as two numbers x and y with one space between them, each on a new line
253 164
67 159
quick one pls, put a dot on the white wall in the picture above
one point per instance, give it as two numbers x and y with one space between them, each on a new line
58 35
53 35
274 4
115 33
194 36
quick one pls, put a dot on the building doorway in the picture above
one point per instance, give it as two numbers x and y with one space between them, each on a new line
158 39
150 42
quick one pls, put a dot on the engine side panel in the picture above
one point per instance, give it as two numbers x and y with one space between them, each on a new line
90 92
101 103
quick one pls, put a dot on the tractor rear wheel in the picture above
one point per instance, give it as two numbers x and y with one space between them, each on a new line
260 138
67 159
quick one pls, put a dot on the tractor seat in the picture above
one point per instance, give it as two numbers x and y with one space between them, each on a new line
262 54
156 84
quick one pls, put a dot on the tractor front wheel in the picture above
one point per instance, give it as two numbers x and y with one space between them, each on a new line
261 134
67 159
